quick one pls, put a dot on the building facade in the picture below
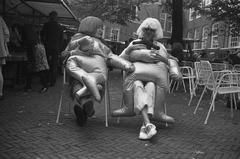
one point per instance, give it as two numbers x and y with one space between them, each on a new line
121 33
213 35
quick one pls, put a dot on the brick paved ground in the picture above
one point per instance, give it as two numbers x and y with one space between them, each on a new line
28 130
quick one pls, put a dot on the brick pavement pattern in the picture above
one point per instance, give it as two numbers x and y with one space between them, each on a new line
28 129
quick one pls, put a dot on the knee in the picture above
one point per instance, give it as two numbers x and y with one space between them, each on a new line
150 85
71 64
138 84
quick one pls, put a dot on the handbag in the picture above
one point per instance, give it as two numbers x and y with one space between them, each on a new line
41 62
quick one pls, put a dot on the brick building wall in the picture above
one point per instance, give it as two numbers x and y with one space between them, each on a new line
195 28
126 32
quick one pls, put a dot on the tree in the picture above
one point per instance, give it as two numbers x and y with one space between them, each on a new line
226 11
115 11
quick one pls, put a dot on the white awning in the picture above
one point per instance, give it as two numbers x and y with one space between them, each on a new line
39 8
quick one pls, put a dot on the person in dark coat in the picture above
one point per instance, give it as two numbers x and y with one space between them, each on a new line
52 36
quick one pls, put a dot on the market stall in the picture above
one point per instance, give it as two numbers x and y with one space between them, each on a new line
18 13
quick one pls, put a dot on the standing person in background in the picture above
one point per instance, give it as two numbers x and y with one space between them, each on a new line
52 36
4 38
29 38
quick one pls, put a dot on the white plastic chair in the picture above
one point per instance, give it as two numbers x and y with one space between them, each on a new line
188 74
106 99
209 79
229 83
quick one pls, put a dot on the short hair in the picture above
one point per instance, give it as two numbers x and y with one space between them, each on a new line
53 14
153 24
89 25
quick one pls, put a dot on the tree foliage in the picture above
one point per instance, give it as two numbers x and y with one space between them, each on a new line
227 11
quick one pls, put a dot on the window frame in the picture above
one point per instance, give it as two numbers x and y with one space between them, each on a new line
204 37
190 17
196 31
214 36
104 32
118 29
237 42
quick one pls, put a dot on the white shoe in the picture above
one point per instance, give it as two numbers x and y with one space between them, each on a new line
143 135
147 132
165 118
151 130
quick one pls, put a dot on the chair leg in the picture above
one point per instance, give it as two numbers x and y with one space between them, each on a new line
174 83
210 108
191 97
171 82
59 107
235 102
231 100
184 86
177 85
193 87
200 100
191 91
213 101
106 105
165 111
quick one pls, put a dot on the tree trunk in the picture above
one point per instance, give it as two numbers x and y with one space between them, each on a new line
177 29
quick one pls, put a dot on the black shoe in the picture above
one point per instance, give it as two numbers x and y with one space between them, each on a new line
1 97
80 114
88 108
43 90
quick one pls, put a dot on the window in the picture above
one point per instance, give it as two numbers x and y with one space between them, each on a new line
207 2
214 40
190 34
204 37
198 15
196 37
104 32
115 34
162 20
191 11
169 26
234 41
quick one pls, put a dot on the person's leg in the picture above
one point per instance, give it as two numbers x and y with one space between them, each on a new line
74 70
29 67
147 130
43 79
1 82
92 82
162 86
54 64
145 116
151 92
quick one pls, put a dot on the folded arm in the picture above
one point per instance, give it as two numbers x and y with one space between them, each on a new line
118 62
148 56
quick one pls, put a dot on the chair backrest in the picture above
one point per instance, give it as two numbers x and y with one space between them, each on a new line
236 68
218 66
186 71
206 75
197 69
188 63
229 80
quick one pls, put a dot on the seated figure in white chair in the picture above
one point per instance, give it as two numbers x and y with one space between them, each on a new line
145 89
86 61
